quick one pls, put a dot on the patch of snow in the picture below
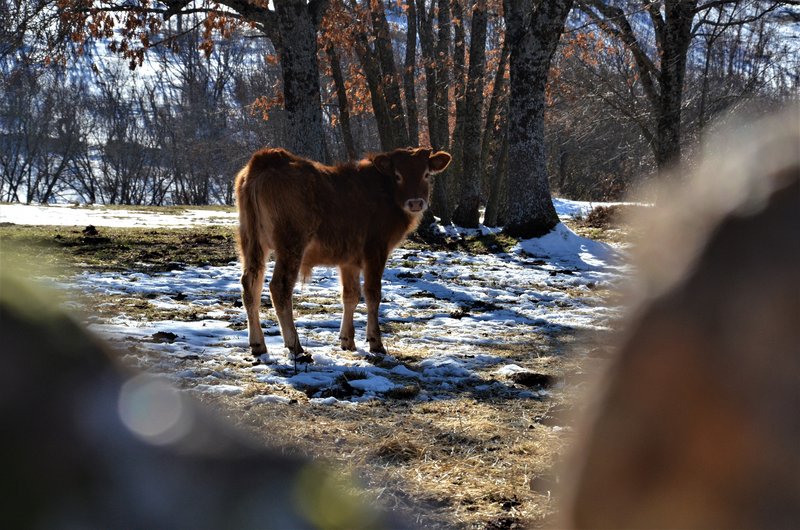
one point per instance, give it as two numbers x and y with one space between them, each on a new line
272 398
330 401
375 383
225 390
404 371
510 369
69 215
569 249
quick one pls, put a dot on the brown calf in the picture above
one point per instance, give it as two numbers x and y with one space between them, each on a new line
309 214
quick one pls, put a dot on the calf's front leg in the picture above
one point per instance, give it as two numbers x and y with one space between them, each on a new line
372 293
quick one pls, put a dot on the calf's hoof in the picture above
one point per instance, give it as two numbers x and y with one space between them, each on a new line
258 349
295 350
376 346
348 343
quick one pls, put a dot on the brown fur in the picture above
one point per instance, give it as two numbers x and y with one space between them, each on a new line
309 214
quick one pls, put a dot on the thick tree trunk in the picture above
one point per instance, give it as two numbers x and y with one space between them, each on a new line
467 213
409 74
301 89
341 95
530 211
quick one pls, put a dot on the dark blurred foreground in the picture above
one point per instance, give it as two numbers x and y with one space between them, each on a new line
85 444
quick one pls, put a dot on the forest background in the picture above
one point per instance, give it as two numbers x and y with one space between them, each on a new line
160 102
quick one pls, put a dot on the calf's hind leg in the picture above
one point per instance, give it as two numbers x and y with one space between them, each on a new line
287 267
253 258
373 271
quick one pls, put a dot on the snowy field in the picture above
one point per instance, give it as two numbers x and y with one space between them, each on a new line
71 215
447 316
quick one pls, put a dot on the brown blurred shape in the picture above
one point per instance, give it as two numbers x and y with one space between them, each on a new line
698 421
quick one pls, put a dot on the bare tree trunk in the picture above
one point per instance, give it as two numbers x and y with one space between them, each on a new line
442 98
530 208
456 169
489 130
662 80
440 204
409 74
678 18
301 89
497 196
428 45
373 74
467 213
390 78
341 95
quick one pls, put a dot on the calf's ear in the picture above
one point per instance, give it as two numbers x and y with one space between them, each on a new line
438 161
384 164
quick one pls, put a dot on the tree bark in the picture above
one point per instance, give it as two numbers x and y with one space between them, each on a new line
467 213
456 168
489 130
533 37
344 108
497 194
678 18
440 204
390 78
428 46
442 97
375 84
409 73
301 88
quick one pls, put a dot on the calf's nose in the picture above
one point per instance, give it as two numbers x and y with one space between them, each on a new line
415 205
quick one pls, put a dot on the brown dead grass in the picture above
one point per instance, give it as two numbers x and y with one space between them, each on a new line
464 462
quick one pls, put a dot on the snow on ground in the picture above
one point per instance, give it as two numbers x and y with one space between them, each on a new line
454 307
69 215
445 315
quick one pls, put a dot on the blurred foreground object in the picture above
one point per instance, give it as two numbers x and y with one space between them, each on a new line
698 425
87 445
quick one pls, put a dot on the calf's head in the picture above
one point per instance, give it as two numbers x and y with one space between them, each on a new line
411 170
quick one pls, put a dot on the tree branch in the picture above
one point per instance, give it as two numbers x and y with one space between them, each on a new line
623 31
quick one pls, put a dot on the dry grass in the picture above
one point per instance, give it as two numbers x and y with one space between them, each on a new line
470 461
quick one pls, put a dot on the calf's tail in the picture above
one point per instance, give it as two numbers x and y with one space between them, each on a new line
250 236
